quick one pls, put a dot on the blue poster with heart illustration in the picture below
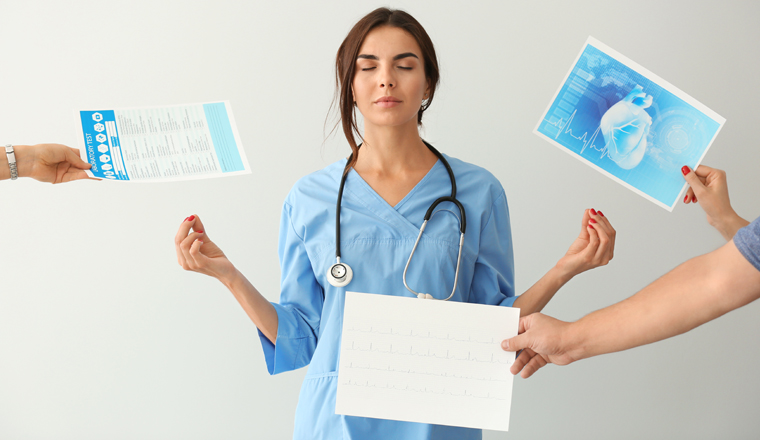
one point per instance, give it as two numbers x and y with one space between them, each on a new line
629 124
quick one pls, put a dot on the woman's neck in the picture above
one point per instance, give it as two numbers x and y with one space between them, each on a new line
393 150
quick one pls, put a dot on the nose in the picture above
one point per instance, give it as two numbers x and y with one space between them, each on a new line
387 78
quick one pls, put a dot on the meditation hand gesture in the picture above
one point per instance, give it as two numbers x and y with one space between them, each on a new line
594 247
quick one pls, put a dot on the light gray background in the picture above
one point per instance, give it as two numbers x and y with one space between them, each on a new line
102 335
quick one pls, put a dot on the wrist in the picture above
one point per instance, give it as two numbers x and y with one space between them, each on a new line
561 273
231 279
24 159
729 223
575 341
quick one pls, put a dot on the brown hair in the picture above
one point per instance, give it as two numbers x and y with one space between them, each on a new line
345 66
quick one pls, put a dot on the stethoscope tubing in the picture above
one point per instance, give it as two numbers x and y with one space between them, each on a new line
452 198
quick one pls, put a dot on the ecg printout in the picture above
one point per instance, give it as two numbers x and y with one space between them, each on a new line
426 361
168 143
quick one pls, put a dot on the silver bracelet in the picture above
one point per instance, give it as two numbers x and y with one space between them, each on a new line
11 161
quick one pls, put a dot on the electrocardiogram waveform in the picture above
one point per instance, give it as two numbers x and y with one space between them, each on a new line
413 352
423 390
587 143
411 333
424 373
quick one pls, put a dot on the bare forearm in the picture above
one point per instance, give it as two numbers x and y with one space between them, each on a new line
690 295
538 296
261 311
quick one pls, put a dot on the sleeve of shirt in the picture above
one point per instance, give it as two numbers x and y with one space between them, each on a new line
300 307
747 240
493 280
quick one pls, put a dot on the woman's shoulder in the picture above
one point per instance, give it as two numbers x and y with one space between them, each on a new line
317 185
474 179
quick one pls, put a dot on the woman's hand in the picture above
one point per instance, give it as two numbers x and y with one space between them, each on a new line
594 247
54 163
710 187
196 251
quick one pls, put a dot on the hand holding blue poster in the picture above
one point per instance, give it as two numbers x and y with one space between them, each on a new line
629 124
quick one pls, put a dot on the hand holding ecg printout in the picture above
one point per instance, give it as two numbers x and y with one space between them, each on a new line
169 143
426 361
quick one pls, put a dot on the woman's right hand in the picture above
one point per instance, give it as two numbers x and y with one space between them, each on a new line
196 251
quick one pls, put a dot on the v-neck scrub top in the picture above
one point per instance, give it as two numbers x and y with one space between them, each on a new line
376 240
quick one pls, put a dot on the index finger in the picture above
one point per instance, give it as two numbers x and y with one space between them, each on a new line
184 230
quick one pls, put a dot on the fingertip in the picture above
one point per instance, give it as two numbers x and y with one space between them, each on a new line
685 170
505 345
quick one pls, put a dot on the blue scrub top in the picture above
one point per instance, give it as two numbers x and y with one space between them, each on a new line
376 240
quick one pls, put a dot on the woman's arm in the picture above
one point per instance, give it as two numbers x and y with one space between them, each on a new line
594 247
196 252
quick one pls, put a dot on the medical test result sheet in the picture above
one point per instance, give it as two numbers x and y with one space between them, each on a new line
426 361
166 143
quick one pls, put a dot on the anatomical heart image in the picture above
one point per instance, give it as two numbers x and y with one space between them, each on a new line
629 124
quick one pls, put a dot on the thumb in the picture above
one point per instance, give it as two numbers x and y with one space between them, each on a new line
517 343
72 156
693 180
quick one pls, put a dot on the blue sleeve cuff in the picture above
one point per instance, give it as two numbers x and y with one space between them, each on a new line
293 349
508 301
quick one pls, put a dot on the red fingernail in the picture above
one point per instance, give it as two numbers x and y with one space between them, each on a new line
600 213
592 211
694 199
200 232
685 199
685 170
191 218
592 220
185 219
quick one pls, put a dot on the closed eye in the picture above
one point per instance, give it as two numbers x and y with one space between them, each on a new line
367 68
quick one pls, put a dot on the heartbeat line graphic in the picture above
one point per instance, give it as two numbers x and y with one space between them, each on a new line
490 359
424 390
414 334
427 373
587 142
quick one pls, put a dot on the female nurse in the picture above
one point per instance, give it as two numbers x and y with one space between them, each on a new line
386 69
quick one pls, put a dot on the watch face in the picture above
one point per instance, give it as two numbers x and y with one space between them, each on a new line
338 271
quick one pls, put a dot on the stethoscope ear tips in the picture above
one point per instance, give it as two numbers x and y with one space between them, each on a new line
339 274
425 296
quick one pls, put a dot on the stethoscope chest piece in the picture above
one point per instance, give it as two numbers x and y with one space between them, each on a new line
339 274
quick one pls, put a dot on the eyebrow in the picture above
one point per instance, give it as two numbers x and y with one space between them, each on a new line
396 58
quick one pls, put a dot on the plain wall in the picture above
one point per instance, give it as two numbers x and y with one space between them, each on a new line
103 335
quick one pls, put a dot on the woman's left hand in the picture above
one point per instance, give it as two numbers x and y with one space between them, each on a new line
594 247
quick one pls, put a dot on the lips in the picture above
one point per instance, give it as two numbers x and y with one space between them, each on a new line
387 102
387 99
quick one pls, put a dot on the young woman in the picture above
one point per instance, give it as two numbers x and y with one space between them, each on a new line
387 70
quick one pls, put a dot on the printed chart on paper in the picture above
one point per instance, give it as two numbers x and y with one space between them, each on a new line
426 361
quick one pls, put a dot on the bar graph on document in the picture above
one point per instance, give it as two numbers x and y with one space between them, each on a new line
426 361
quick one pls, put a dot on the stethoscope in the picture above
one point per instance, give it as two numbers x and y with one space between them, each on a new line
340 274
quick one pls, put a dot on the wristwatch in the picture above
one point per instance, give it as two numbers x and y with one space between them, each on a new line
11 161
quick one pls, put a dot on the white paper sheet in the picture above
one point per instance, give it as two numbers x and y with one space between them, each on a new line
426 361
169 143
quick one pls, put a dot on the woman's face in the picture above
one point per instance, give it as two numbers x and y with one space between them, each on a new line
389 83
